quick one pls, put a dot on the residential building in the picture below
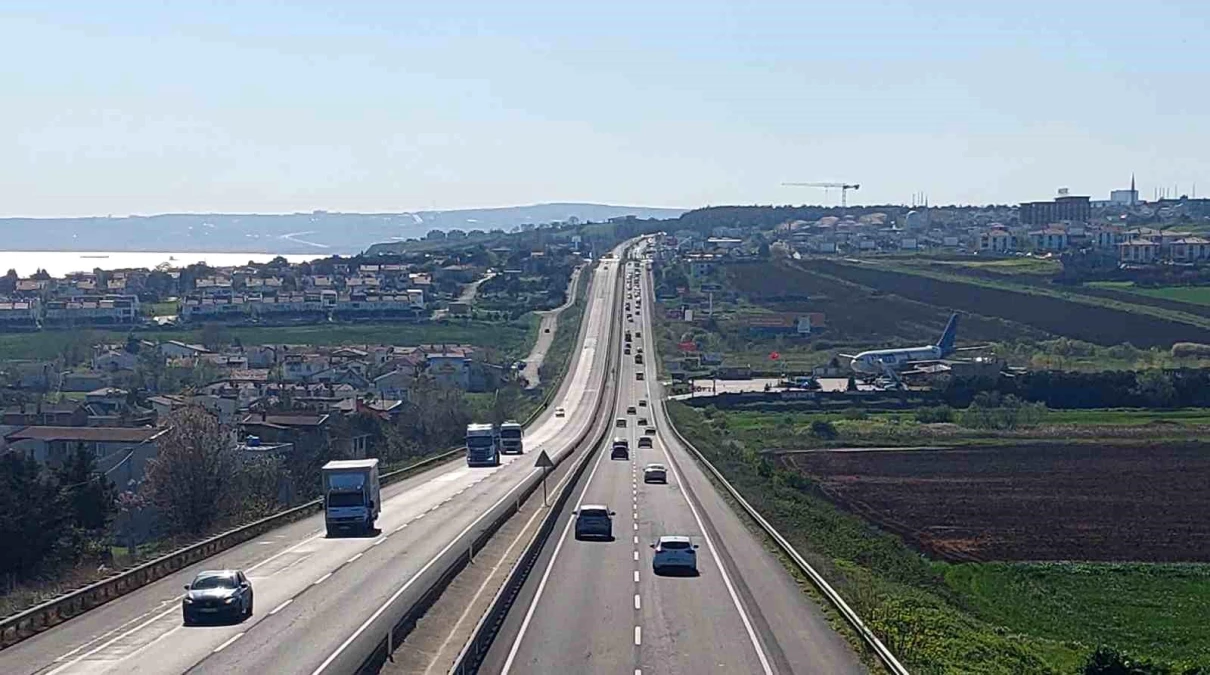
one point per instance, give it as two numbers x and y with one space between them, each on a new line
998 240
1190 249
1064 207
121 453
109 309
1049 239
19 313
173 349
1138 251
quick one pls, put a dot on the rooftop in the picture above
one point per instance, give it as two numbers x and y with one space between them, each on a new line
85 434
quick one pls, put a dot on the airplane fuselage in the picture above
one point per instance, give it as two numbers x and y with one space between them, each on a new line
878 361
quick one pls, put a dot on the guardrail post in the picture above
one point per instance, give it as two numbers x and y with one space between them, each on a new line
390 644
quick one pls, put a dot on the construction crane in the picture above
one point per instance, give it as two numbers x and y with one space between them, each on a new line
843 187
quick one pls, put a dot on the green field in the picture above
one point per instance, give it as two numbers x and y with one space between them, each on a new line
1006 266
1154 609
511 340
1194 295
962 618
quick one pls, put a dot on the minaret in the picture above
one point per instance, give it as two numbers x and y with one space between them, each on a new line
1134 194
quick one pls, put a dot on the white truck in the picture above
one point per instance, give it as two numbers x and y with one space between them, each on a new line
510 438
482 445
352 495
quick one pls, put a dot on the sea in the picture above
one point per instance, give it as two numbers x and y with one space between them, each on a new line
61 263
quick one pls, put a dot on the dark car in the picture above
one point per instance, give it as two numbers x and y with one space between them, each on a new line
223 595
594 520
621 449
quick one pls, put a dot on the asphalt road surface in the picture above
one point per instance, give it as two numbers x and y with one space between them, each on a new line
597 606
314 594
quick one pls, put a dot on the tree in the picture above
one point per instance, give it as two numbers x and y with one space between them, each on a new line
1156 388
90 495
8 283
192 477
33 520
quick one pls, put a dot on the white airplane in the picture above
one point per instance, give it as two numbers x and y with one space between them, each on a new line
891 363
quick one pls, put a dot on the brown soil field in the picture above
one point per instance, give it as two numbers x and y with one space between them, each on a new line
1147 503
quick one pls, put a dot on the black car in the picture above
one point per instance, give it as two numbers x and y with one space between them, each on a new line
621 449
225 594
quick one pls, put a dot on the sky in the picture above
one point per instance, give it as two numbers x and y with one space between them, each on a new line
257 106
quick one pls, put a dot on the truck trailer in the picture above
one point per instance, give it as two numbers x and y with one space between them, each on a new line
482 445
510 438
351 495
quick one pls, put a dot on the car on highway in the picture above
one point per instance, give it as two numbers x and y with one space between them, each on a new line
642 403
626 351
630 410
638 335
644 442
655 473
620 449
620 423
594 520
674 553
649 431
217 594
560 412
638 375
642 421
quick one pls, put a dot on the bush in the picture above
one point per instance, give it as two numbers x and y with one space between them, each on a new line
855 414
1108 661
823 429
989 410
935 414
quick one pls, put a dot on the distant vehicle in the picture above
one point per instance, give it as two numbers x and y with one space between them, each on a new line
638 375
642 421
638 335
631 410
649 431
626 351
620 449
655 473
482 445
560 412
674 553
892 363
223 594
628 336
546 330
620 423
642 403
644 442
594 520
351 495
638 359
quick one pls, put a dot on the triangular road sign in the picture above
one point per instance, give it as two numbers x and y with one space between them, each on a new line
544 461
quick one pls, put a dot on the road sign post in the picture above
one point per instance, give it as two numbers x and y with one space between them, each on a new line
544 462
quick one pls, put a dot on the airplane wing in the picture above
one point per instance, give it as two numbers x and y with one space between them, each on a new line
975 348
847 356
891 374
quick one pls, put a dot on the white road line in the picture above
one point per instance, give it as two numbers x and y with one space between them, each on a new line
354 558
638 635
379 540
321 579
228 642
636 538
637 603
280 607
636 555
550 565
743 615
399 528
636 527
636 576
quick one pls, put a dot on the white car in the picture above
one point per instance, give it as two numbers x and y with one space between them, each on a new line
655 473
560 412
674 553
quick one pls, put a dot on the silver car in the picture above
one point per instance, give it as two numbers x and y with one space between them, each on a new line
655 473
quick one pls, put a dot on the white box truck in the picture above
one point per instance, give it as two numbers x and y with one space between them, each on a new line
352 495
510 438
482 445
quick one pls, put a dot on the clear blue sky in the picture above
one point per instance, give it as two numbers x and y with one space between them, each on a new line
147 107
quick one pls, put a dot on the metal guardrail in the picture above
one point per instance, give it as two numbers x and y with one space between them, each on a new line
30 622
25 624
880 650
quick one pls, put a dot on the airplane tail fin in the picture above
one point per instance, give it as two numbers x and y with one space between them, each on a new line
946 343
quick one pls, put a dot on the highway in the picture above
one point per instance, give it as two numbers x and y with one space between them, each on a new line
319 601
597 606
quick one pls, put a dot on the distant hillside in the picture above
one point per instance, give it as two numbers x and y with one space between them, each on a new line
320 232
